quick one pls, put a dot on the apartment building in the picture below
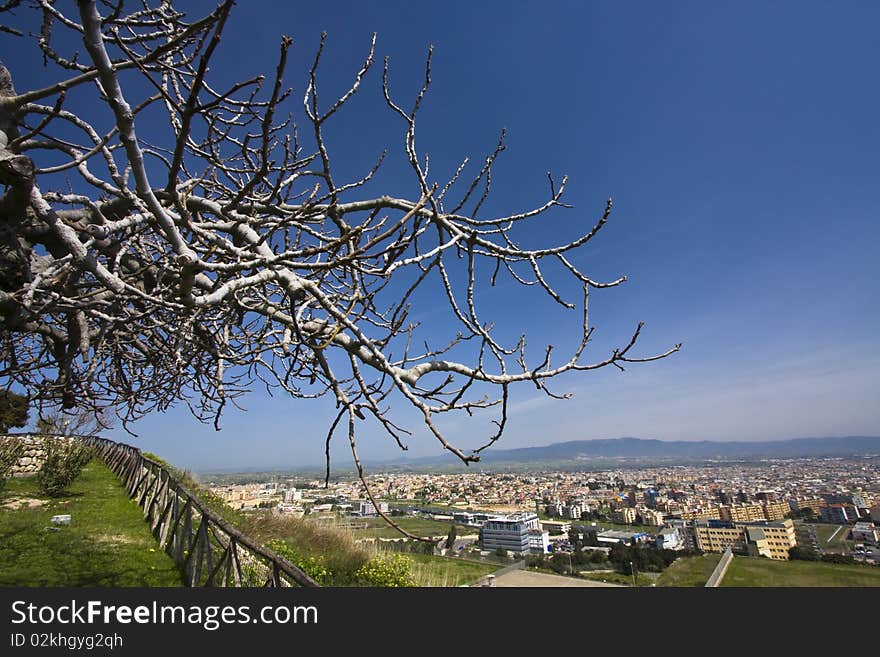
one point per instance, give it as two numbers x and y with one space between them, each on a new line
670 538
705 513
776 510
742 512
801 503
539 541
718 535
651 517
572 512
625 515
768 539
772 539
368 509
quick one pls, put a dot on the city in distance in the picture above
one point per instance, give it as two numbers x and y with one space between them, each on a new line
731 520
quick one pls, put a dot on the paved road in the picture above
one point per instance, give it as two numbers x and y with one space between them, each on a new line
526 578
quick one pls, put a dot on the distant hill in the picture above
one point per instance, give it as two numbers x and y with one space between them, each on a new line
642 449
602 453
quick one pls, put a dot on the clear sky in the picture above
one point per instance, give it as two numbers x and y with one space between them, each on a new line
740 142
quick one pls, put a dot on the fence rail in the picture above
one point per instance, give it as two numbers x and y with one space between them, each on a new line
208 550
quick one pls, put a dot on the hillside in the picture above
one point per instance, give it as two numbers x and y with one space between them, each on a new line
599 452
107 542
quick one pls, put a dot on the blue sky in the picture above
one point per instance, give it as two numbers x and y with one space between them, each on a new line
740 142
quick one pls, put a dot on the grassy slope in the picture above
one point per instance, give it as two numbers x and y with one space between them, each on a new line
107 543
753 571
377 527
332 541
689 571
442 571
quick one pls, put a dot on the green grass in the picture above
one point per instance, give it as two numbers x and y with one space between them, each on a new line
689 571
838 543
106 544
378 528
754 571
443 571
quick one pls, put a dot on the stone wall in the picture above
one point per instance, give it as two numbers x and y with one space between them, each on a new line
721 569
33 456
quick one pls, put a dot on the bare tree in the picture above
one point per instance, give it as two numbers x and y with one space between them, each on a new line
77 421
143 270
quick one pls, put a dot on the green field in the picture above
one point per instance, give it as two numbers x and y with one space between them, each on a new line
106 544
755 571
689 571
443 571
838 543
378 528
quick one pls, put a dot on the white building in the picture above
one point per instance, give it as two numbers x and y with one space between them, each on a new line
625 515
670 538
510 533
368 509
539 541
651 517
573 511
294 510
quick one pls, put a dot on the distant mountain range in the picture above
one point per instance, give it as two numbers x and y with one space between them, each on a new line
640 449
603 453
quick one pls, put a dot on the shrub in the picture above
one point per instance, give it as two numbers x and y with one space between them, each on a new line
388 569
803 553
333 543
11 450
62 463
313 566
536 561
832 557
598 556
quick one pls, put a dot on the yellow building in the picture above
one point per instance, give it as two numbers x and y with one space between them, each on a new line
711 538
707 513
814 503
776 510
768 539
742 512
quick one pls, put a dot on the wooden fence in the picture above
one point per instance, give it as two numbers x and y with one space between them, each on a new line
208 550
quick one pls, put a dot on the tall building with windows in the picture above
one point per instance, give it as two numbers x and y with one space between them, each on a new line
776 510
742 512
651 517
625 515
801 503
767 539
510 533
